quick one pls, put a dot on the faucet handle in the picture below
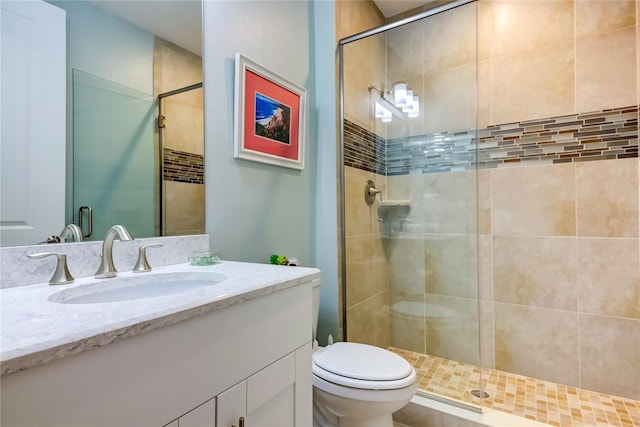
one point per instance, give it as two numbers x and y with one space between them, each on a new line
61 276
142 265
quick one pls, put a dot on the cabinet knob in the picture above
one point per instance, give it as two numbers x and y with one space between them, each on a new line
240 422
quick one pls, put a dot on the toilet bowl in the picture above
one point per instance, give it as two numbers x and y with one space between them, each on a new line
358 385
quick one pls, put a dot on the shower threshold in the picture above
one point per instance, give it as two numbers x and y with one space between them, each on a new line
534 399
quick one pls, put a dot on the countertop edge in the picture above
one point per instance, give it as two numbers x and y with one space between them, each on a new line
39 357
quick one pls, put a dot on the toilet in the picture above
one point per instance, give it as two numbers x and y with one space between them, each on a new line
357 385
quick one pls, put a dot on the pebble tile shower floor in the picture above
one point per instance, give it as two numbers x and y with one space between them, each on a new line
543 401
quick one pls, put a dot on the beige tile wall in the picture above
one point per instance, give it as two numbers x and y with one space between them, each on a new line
175 68
437 59
434 263
364 61
573 55
367 264
564 56
566 299
363 65
353 17
184 208
606 200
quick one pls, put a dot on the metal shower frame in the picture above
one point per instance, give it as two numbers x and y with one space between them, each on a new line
341 43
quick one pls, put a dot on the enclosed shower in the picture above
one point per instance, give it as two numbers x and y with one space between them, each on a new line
181 140
501 253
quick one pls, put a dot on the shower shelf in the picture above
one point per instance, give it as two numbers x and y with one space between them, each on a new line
391 215
392 203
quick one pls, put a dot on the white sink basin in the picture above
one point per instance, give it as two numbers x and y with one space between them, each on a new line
145 285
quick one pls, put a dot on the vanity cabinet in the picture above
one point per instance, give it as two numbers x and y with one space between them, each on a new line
271 396
267 398
251 359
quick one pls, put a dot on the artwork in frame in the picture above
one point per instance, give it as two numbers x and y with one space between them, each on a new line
269 117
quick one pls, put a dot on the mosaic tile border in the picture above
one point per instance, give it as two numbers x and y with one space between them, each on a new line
597 135
363 149
438 152
543 401
180 166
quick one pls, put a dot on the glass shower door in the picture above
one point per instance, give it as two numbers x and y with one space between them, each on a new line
411 257
113 157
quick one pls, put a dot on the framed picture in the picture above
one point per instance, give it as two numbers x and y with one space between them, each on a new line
269 116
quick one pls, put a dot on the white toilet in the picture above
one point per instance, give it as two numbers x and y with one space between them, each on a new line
358 385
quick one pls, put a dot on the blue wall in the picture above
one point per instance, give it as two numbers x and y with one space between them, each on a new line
101 44
107 47
254 209
323 117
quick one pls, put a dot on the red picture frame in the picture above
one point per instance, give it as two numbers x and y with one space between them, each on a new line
269 116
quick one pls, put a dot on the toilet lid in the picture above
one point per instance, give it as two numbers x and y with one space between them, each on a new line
362 362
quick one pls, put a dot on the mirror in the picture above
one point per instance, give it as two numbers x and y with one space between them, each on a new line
127 63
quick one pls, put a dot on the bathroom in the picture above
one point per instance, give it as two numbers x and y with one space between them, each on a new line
294 212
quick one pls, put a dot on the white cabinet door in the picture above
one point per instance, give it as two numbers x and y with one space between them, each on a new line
202 416
33 121
232 405
265 399
271 394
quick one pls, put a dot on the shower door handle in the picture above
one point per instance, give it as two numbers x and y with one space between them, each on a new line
89 219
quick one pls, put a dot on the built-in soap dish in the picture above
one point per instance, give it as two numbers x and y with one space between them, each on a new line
392 214
395 203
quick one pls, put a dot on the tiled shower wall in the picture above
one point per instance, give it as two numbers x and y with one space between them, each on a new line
183 139
565 273
558 259
558 270
367 265
557 262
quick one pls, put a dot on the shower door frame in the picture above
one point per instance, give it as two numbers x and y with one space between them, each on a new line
341 43
343 257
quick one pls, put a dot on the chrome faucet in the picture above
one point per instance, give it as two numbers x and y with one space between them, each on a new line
107 269
71 233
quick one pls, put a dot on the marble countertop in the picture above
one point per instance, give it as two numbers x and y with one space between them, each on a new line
35 330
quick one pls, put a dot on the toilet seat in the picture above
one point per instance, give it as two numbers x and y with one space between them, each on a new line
363 366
